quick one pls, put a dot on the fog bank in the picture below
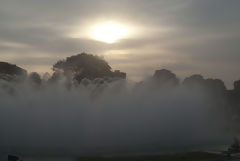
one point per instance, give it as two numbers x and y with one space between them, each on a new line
108 118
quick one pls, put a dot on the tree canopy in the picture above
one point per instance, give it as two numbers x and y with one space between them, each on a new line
11 69
11 72
84 66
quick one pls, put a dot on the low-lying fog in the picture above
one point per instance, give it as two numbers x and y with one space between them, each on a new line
118 117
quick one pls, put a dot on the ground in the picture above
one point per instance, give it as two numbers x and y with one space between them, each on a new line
190 156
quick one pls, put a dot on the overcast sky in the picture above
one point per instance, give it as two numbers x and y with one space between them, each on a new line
185 36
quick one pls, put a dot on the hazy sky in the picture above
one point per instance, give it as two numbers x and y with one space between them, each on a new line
185 36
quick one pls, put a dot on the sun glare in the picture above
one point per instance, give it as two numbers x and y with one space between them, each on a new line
109 32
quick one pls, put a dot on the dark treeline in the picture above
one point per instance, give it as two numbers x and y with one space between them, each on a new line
86 68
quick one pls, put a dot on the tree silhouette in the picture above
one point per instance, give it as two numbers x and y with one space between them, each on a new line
35 78
10 72
7 68
236 85
193 81
85 66
165 77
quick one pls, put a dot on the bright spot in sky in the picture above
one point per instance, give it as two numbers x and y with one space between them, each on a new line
109 32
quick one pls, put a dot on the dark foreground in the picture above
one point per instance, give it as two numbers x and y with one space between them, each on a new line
190 156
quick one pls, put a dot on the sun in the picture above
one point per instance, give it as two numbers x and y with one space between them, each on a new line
109 32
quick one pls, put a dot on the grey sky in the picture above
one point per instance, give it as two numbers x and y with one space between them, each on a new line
185 36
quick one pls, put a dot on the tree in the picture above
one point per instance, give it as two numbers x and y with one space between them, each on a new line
165 77
84 66
193 81
237 86
11 69
215 85
35 78
11 72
